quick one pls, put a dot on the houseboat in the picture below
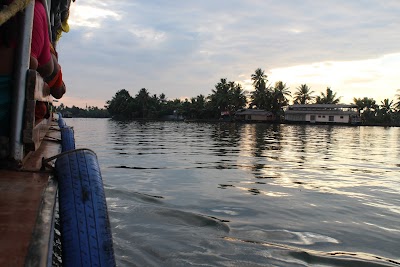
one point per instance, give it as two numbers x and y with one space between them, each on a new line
39 165
254 115
323 114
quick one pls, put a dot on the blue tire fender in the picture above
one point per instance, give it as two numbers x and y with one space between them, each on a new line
84 223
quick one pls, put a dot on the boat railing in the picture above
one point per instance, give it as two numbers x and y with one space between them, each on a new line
34 131
28 87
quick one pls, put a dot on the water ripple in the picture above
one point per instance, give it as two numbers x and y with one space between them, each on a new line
225 194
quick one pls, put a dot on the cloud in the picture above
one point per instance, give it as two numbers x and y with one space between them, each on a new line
90 16
183 48
348 78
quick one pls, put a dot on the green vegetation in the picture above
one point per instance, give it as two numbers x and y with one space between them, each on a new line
227 97
328 98
89 112
387 113
303 95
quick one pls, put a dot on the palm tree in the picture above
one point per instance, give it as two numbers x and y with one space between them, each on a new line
367 107
397 104
259 79
360 103
162 98
328 98
261 97
303 94
281 93
237 97
120 103
366 104
143 98
219 98
279 96
387 106
386 110
198 106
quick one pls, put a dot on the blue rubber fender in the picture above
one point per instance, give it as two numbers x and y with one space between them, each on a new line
67 139
61 122
86 238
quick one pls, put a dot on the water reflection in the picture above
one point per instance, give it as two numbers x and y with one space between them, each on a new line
252 194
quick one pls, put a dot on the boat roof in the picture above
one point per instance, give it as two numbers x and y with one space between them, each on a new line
323 106
253 112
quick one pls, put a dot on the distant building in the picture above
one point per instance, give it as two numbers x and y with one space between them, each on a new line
67 114
173 117
254 115
323 113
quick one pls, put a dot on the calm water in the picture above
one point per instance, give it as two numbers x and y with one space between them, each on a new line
188 194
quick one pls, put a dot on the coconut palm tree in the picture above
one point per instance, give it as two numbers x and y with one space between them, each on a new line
397 104
119 105
219 98
303 95
328 98
281 93
360 103
143 99
261 97
386 110
367 107
162 98
198 106
280 96
386 106
259 79
366 104
237 97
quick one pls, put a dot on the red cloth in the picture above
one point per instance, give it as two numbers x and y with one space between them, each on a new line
40 47
40 110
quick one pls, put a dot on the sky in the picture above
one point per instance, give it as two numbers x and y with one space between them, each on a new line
182 48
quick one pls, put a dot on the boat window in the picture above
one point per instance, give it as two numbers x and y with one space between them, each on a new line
331 118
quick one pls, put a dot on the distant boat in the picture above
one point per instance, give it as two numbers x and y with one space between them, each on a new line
323 114
254 115
67 114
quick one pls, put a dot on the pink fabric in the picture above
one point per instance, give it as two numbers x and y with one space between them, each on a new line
40 47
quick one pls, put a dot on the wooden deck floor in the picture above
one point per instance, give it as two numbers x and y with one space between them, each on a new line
23 222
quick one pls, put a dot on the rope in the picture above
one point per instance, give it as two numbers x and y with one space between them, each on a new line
54 129
54 139
45 162
13 8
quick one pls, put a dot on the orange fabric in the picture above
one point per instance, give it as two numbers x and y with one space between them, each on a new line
57 80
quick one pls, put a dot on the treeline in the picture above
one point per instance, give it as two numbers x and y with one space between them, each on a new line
76 112
227 97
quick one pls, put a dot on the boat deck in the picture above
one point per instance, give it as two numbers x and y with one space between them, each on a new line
27 201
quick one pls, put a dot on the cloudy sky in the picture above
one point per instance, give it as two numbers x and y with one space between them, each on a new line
182 48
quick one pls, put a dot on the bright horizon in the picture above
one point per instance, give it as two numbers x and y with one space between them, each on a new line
183 50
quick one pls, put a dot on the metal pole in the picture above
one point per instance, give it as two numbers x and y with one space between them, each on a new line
18 93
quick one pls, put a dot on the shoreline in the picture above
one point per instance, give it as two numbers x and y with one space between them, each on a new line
245 122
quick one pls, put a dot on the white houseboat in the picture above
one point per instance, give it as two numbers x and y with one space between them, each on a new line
323 113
